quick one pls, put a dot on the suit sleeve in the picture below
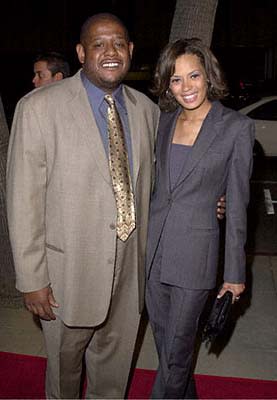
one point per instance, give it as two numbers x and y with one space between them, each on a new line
237 199
156 114
26 198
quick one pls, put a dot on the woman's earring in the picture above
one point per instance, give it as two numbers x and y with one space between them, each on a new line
210 85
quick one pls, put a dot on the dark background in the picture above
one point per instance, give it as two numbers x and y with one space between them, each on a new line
244 39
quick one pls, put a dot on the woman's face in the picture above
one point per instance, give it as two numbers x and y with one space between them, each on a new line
188 84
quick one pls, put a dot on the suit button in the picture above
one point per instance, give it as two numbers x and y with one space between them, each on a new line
112 226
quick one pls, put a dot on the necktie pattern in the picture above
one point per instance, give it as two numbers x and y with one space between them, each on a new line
120 173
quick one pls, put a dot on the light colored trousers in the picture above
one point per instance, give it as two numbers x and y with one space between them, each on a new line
106 349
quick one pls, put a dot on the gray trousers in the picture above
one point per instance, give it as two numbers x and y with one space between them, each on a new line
106 349
174 314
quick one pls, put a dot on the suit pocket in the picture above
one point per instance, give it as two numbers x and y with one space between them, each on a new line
212 158
215 167
201 262
54 248
192 263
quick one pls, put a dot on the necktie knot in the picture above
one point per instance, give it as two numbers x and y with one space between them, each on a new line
109 99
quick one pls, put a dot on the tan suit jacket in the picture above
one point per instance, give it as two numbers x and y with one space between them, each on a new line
61 207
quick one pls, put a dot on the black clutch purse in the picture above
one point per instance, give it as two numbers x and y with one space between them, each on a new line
217 318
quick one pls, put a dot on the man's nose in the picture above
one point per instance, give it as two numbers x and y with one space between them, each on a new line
110 48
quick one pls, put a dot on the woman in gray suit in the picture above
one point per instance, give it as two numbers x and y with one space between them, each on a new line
203 150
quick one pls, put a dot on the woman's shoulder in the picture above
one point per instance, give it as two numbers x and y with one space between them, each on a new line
238 124
166 116
235 115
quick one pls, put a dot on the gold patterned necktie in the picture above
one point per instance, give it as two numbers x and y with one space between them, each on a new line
120 173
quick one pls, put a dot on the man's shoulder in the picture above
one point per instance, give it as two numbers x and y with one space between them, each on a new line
138 96
55 92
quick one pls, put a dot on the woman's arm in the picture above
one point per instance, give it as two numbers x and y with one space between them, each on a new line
237 199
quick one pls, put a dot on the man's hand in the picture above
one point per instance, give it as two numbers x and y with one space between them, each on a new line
221 207
235 288
40 302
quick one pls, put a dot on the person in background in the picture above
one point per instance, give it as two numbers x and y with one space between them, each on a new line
203 150
50 67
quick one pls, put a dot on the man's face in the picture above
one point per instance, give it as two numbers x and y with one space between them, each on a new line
43 75
106 54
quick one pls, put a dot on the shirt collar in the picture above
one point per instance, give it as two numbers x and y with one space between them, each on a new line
98 94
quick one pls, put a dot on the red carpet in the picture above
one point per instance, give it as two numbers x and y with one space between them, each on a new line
22 377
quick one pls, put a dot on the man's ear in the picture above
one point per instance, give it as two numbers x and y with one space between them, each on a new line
80 52
58 76
131 48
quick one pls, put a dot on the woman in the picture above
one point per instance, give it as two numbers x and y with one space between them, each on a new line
203 150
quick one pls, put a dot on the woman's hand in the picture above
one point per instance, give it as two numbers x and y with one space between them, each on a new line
236 288
221 207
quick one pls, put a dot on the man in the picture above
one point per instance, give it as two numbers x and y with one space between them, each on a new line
83 281
50 67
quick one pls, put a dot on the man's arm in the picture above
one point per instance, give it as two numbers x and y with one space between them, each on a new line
40 302
26 195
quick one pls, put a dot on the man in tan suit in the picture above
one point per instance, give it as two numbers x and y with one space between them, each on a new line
85 284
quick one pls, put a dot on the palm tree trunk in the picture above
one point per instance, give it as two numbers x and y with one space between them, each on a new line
194 19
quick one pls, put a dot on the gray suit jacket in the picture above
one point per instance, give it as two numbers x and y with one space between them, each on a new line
61 206
220 162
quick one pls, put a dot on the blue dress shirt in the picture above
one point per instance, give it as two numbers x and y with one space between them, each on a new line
99 107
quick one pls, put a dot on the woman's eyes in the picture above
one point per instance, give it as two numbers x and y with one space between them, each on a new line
176 80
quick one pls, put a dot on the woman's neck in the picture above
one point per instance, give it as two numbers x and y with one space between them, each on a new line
196 114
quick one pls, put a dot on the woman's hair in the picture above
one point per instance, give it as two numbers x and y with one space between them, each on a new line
217 88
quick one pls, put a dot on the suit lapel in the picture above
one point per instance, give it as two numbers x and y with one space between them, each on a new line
135 125
83 116
168 125
210 128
